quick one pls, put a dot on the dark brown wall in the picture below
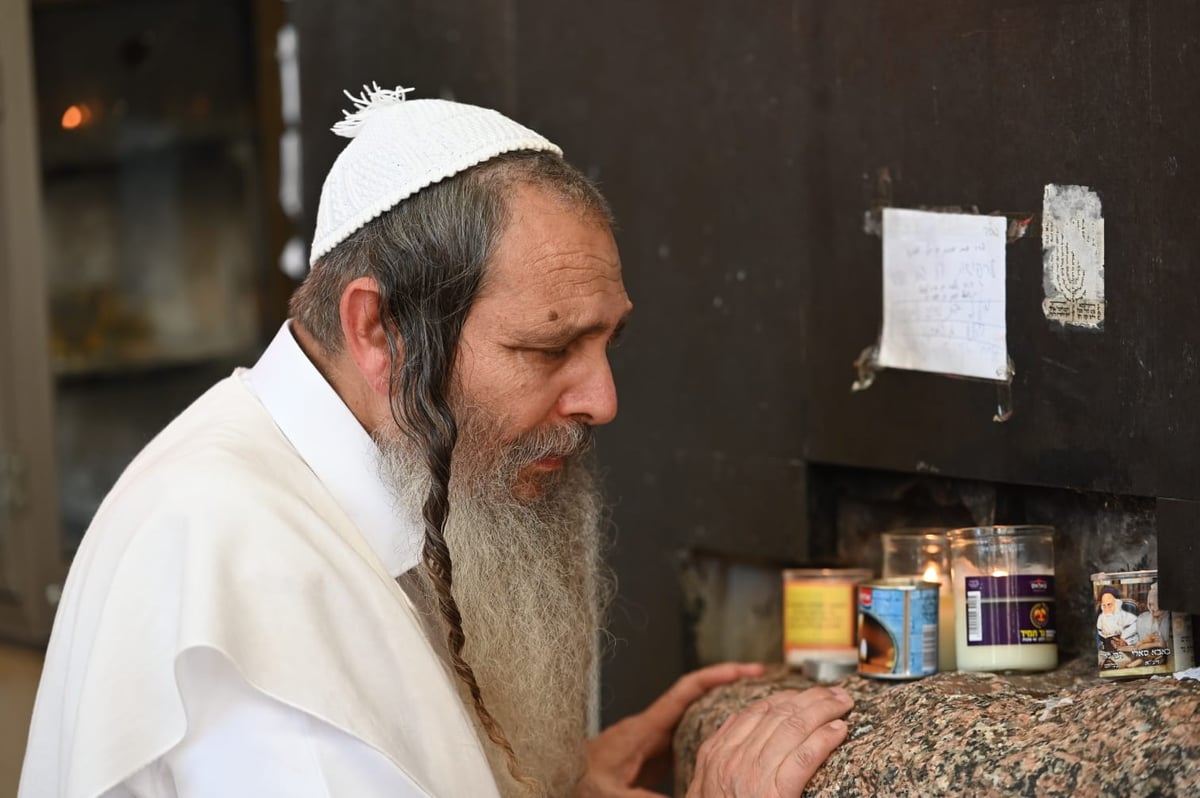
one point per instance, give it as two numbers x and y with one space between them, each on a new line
741 145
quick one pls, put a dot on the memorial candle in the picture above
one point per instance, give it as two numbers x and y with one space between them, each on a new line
947 633
1004 598
924 553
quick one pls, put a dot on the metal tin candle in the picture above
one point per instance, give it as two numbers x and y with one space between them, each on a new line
1004 598
898 628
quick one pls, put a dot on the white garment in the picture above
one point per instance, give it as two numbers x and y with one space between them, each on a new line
231 625
1147 626
1118 623
242 743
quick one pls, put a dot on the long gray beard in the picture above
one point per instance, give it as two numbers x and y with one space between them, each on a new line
532 587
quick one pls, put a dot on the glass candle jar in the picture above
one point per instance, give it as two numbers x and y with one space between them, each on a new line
1004 598
925 554
820 614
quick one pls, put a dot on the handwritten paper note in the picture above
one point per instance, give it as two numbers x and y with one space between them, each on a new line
943 293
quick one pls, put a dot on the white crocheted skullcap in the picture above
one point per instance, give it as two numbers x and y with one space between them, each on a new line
398 147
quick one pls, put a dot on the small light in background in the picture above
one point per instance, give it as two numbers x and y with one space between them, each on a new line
76 116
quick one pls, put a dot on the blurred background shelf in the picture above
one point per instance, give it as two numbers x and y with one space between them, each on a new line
140 234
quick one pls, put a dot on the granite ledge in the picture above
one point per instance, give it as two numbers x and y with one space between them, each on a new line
1062 733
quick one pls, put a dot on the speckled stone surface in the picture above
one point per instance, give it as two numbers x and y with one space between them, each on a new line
1061 733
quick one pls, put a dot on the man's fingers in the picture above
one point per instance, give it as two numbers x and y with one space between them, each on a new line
670 706
770 727
739 726
801 763
777 742
799 717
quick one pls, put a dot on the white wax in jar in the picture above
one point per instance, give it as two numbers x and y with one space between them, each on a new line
946 635
1037 657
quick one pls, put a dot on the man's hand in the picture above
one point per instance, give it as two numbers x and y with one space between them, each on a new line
634 752
773 747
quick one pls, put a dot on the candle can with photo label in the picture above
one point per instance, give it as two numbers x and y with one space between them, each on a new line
819 614
1134 636
898 628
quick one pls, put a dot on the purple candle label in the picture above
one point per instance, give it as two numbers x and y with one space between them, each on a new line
1010 610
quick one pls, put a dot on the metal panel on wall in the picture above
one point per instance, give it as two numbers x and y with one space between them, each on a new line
982 104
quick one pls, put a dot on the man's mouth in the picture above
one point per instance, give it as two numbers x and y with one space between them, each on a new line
549 463
532 479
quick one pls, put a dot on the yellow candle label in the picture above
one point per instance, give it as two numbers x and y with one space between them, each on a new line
818 615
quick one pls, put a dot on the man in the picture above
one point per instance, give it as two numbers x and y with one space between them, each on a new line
1153 625
1116 626
370 564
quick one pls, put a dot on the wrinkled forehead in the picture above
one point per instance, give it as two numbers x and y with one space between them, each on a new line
553 244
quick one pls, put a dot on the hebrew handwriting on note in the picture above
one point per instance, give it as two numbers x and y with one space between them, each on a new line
943 293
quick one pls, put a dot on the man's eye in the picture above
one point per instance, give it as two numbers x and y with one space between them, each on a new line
548 354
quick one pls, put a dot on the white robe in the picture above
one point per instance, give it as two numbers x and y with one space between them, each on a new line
222 554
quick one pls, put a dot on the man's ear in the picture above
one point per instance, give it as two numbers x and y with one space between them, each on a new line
362 330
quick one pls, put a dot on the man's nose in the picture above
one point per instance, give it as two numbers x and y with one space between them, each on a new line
592 395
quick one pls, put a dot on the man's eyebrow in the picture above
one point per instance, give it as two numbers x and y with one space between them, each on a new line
571 332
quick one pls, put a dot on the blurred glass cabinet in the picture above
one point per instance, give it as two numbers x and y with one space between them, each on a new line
137 250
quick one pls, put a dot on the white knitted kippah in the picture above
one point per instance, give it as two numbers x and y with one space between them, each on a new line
398 147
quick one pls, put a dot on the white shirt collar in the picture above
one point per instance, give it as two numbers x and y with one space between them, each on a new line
335 446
